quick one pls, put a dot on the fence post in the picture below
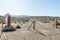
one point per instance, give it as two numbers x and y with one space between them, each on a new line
56 23
34 25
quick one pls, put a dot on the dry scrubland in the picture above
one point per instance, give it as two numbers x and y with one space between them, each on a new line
45 29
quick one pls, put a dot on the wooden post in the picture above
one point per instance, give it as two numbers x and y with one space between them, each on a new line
56 23
2 23
34 25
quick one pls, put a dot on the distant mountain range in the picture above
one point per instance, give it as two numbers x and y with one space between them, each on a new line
20 16
27 16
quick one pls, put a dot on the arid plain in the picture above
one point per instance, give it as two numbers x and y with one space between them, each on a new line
43 31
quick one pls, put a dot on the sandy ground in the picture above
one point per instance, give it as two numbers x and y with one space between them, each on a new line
43 31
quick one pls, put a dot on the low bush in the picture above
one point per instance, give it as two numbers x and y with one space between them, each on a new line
8 28
0 22
53 25
18 27
46 22
26 20
15 22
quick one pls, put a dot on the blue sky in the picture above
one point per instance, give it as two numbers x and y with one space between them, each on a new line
30 7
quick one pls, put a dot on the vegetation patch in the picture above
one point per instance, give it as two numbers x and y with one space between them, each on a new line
18 27
45 21
8 28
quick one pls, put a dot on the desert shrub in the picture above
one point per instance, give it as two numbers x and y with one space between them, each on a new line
53 25
23 21
0 22
26 20
8 28
46 22
3 22
15 22
18 27
22 24
19 21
